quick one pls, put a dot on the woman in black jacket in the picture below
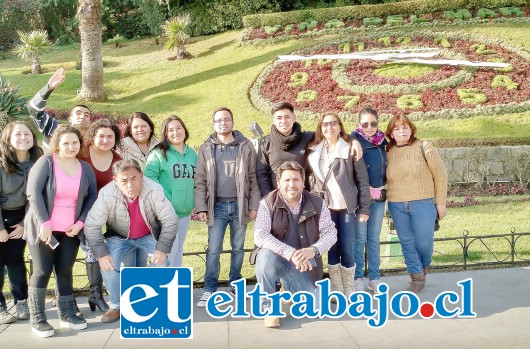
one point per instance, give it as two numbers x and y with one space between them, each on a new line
343 183
18 152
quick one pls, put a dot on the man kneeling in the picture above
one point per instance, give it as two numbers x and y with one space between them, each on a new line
138 216
293 229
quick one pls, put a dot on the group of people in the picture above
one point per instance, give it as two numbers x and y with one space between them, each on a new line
128 202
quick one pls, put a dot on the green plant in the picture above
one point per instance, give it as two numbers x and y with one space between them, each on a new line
32 45
486 13
385 41
471 96
511 11
504 81
395 20
117 40
289 28
416 19
334 23
380 10
409 102
308 24
442 41
272 29
373 21
175 32
458 14
11 104
306 96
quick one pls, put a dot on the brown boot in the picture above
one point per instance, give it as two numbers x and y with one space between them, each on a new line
112 315
417 283
426 271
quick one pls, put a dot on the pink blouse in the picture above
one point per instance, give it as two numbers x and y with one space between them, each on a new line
65 202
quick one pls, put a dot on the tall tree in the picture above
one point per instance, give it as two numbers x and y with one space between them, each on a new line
89 14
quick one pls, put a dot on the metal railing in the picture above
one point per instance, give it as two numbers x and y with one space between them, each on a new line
468 252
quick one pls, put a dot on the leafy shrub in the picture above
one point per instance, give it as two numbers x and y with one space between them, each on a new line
416 19
10 101
380 10
395 20
458 14
486 13
272 29
117 40
373 21
511 11
334 23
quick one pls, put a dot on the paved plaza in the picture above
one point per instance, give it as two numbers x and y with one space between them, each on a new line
501 301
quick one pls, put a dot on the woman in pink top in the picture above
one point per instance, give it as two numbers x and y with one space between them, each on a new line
61 190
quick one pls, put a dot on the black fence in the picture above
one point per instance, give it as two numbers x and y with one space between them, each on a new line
460 253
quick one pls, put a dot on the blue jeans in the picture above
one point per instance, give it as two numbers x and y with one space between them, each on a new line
118 248
225 213
367 233
342 251
177 251
271 267
414 222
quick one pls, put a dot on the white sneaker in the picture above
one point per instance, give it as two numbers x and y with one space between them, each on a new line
358 284
373 285
204 298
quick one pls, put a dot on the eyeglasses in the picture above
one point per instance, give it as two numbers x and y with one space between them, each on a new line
372 124
330 123
226 120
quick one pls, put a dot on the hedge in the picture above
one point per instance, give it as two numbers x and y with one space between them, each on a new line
380 10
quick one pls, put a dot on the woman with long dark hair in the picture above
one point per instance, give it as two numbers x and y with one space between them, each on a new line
18 153
99 151
139 138
342 181
172 164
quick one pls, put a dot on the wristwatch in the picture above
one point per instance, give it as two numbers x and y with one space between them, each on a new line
317 253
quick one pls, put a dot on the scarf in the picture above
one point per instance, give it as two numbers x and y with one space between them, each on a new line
376 139
286 142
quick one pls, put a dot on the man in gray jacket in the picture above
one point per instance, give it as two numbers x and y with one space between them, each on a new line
226 193
138 216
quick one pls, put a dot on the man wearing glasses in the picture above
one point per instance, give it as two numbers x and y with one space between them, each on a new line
226 193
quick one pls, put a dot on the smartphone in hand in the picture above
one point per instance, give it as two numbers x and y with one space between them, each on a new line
53 243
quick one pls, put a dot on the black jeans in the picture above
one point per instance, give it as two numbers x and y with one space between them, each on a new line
12 257
61 260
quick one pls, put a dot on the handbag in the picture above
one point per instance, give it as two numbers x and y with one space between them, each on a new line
324 188
437 220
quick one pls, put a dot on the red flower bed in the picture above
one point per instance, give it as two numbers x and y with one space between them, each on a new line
277 83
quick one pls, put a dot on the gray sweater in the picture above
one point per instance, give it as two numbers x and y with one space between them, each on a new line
13 189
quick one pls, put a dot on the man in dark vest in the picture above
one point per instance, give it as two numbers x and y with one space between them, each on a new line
293 229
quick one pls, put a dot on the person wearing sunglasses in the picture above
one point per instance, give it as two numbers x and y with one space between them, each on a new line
374 144
342 181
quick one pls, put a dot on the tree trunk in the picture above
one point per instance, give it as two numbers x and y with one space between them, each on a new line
35 66
89 13
182 53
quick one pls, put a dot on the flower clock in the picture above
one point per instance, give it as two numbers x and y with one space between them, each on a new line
406 87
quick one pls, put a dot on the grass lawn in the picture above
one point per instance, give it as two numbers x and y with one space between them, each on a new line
138 77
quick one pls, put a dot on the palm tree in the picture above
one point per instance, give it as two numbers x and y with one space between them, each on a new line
90 29
32 45
175 31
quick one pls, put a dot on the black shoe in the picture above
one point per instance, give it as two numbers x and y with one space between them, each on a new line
95 299
74 322
42 329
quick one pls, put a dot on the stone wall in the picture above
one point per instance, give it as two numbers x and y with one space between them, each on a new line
487 164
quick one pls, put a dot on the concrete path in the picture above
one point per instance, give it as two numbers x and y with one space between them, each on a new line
501 301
